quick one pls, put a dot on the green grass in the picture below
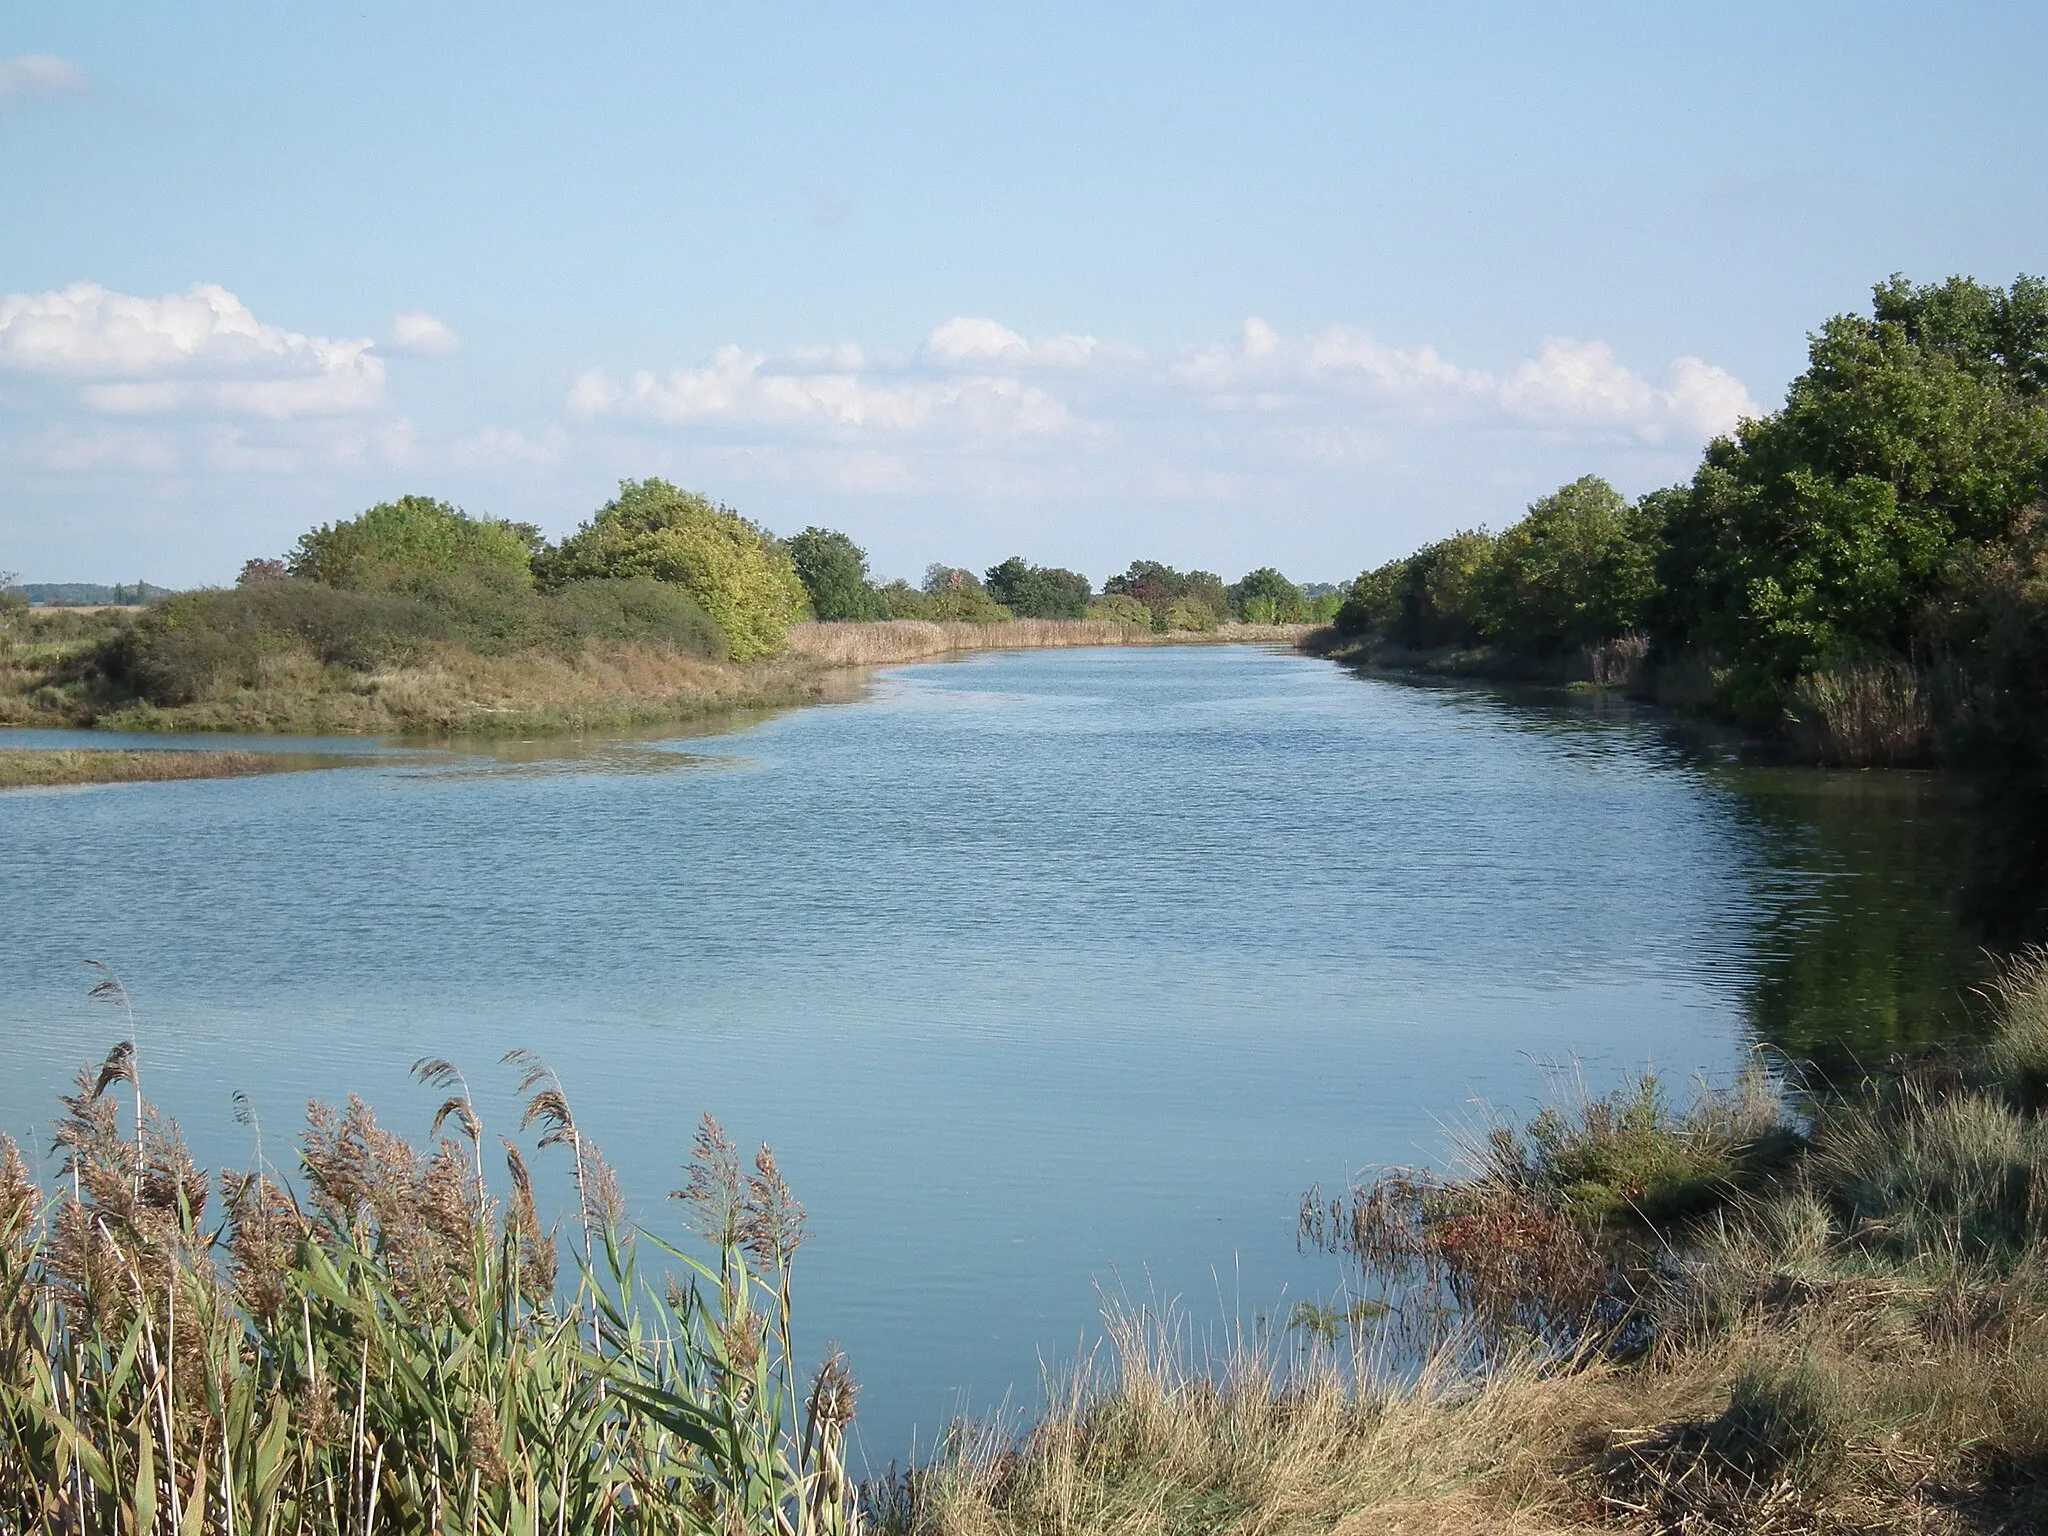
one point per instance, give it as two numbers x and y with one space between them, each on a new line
30 769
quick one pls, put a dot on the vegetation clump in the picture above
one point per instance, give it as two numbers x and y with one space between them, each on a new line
391 1346
737 574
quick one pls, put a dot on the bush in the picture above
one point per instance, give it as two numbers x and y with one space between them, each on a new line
745 581
1120 608
414 533
834 571
199 644
950 595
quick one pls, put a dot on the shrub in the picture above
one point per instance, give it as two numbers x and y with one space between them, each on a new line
414 533
1121 608
745 581
199 644
834 571
950 595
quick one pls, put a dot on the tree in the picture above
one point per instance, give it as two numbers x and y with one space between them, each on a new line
411 534
1817 535
1265 596
834 571
256 572
1433 598
1578 569
743 579
1038 591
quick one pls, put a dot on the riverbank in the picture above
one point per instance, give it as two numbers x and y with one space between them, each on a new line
445 689
1758 1315
28 768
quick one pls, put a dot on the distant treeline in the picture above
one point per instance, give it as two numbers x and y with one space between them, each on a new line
85 594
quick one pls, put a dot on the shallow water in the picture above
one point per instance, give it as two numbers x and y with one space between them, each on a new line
1043 972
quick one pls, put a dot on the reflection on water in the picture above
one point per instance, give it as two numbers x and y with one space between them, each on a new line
1041 971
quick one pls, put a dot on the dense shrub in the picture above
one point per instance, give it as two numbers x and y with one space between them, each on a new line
834 571
413 533
200 644
1159 587
1038 591
744 580
1431 598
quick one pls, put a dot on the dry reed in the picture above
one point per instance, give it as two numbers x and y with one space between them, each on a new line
1863 717
390 1352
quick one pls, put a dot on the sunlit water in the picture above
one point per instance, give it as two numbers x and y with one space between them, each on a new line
1045 973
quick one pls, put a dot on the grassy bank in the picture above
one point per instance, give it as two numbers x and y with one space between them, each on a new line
29 769
889 641
1757 1315
301 660
1763 1313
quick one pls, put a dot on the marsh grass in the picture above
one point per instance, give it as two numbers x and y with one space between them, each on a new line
1747 1315
1877 716
29 769
890 641
379 1345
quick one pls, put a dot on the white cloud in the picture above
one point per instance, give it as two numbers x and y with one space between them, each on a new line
417 332
1582 383
507 448
35 75
741 389
200 350
971 340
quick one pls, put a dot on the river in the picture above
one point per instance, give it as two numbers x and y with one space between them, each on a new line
1047 974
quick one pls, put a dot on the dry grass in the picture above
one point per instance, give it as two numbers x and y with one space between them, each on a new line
1727 1320
26 769
452 689
1863 717
892 641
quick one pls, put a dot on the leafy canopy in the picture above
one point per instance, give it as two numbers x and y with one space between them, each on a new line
413 533
1038 591
834 571
744 580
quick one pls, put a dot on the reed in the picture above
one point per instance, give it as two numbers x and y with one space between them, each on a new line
889 641
1863 717
394 1350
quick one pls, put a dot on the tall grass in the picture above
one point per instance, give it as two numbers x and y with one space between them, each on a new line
1877 716
1747 1315
383 1346
894 640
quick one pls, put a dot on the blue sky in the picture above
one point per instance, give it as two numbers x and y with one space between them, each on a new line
1300 285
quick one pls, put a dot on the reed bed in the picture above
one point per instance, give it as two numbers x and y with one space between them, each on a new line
30 769
1863 717
890 641
382 1346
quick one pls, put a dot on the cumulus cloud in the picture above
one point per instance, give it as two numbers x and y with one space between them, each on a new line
508 448
32 76
200 350
417 332
1567 384
741 388
974 341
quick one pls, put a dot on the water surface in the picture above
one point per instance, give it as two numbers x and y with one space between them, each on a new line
1043 972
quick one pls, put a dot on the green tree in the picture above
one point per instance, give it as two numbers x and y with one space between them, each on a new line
1435 597
1038 591
413 533
1819 534
834 571
1579 568
956 596
1265 596
743 579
